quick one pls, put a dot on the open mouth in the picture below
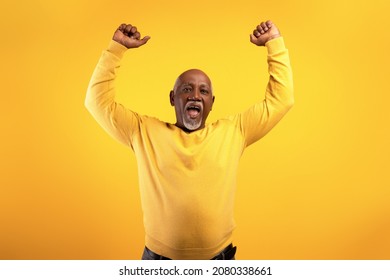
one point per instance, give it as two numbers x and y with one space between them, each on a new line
193 110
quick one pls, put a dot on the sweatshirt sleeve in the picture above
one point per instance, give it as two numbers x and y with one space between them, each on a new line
118 121
259 119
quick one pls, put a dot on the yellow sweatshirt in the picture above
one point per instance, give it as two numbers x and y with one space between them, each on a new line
187 181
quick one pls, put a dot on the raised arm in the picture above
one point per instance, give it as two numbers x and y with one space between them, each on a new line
264 115
118 121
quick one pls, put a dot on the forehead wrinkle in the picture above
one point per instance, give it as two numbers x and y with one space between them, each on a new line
202 84
179 81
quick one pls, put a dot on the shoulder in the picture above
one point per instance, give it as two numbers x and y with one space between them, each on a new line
151 121
231 122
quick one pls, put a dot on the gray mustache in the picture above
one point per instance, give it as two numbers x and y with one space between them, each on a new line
195 104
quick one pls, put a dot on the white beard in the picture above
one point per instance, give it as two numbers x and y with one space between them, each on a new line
192 124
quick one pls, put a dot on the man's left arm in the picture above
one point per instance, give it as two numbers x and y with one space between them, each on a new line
263 116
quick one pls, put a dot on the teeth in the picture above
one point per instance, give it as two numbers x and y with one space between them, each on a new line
194 106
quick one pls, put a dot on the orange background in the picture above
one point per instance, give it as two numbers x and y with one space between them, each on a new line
316 187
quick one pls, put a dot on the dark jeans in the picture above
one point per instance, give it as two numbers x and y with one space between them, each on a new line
226 254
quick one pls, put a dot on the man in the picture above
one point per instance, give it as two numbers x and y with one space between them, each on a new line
187 170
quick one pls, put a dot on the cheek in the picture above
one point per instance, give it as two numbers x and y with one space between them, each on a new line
209 104
178 105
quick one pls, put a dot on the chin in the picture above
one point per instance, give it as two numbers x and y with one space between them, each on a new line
192 125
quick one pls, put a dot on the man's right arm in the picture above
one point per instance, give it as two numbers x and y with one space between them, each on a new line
118 121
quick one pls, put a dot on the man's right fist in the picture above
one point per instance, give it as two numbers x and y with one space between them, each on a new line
128 36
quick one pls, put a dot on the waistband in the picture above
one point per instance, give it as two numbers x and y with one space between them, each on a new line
226 254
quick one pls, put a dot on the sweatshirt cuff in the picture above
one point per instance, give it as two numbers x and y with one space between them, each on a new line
275 45
116 48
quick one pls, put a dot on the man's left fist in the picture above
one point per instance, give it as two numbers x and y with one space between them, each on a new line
264 32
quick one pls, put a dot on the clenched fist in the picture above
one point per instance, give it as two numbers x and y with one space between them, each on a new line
128 36
264 32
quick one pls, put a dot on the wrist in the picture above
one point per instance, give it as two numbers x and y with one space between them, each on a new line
117 48
275 45
273 37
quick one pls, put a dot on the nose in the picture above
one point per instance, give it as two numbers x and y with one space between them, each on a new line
195 95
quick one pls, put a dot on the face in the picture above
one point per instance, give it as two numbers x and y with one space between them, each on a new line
193 99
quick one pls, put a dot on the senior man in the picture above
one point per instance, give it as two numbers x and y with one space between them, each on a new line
188 170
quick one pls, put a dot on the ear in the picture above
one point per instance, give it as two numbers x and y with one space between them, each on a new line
212 104
172 98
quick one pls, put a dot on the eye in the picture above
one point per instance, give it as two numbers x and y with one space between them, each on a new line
187 89
204 91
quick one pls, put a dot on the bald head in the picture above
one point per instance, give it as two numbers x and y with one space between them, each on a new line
191 73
